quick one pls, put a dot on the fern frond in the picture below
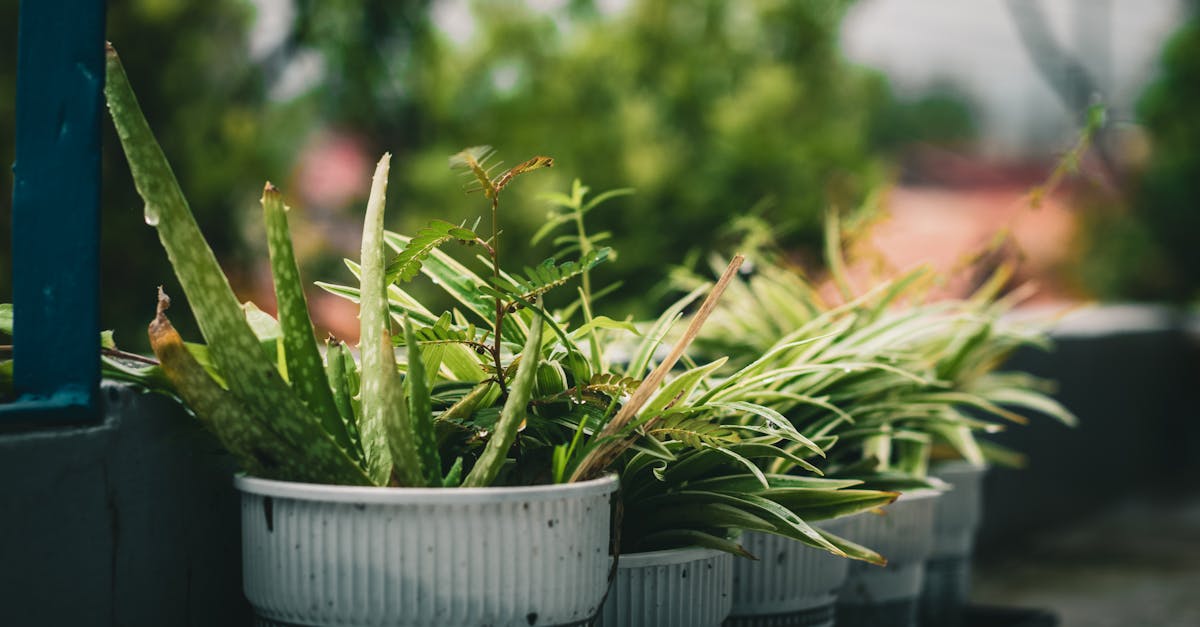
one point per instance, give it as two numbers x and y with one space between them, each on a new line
407 265
694 427
535 163
472 160
547 276
445 331
612 385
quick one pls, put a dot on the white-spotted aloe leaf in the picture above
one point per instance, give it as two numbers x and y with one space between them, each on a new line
251 437
420 410
306 372
342 373
388 448
234 348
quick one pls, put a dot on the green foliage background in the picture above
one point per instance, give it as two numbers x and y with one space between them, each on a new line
1149 251
708 108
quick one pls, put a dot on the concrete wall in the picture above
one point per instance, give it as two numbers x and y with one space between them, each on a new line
1131 375
130 522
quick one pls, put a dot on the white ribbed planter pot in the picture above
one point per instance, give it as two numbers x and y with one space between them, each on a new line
875 596
790 584
948 570
428 557
688 587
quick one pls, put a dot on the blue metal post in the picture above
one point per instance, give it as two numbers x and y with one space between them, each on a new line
56 210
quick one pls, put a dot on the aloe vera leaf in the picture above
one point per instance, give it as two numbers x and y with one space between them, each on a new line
420 409
266 329
234 348
519 392
878 448
340 372
387 441
214 407
304 367
454 476
250 436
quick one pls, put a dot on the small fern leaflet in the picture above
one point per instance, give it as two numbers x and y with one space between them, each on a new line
406 266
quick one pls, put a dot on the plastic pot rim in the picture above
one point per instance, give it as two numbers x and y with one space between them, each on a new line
667 557
376 495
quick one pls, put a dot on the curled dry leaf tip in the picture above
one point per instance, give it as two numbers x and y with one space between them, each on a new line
164 301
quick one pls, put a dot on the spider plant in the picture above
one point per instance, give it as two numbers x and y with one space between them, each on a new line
889 373
711 485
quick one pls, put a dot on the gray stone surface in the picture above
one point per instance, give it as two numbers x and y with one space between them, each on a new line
1137 563
130 522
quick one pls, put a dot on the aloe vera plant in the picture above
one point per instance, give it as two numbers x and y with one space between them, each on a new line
288 438
299 416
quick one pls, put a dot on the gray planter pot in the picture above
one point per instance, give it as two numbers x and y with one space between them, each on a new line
690 587
887 596
790 584
428 557
948 570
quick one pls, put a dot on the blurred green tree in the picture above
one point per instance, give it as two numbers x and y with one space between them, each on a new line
1150 251
707 108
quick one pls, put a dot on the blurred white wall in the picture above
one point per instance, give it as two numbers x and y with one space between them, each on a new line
974 45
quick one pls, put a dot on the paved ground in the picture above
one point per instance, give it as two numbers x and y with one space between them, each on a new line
1136 564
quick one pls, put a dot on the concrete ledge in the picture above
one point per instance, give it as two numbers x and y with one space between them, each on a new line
130 522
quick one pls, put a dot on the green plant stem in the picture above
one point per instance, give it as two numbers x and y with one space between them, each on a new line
585 247
495 253
109 352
